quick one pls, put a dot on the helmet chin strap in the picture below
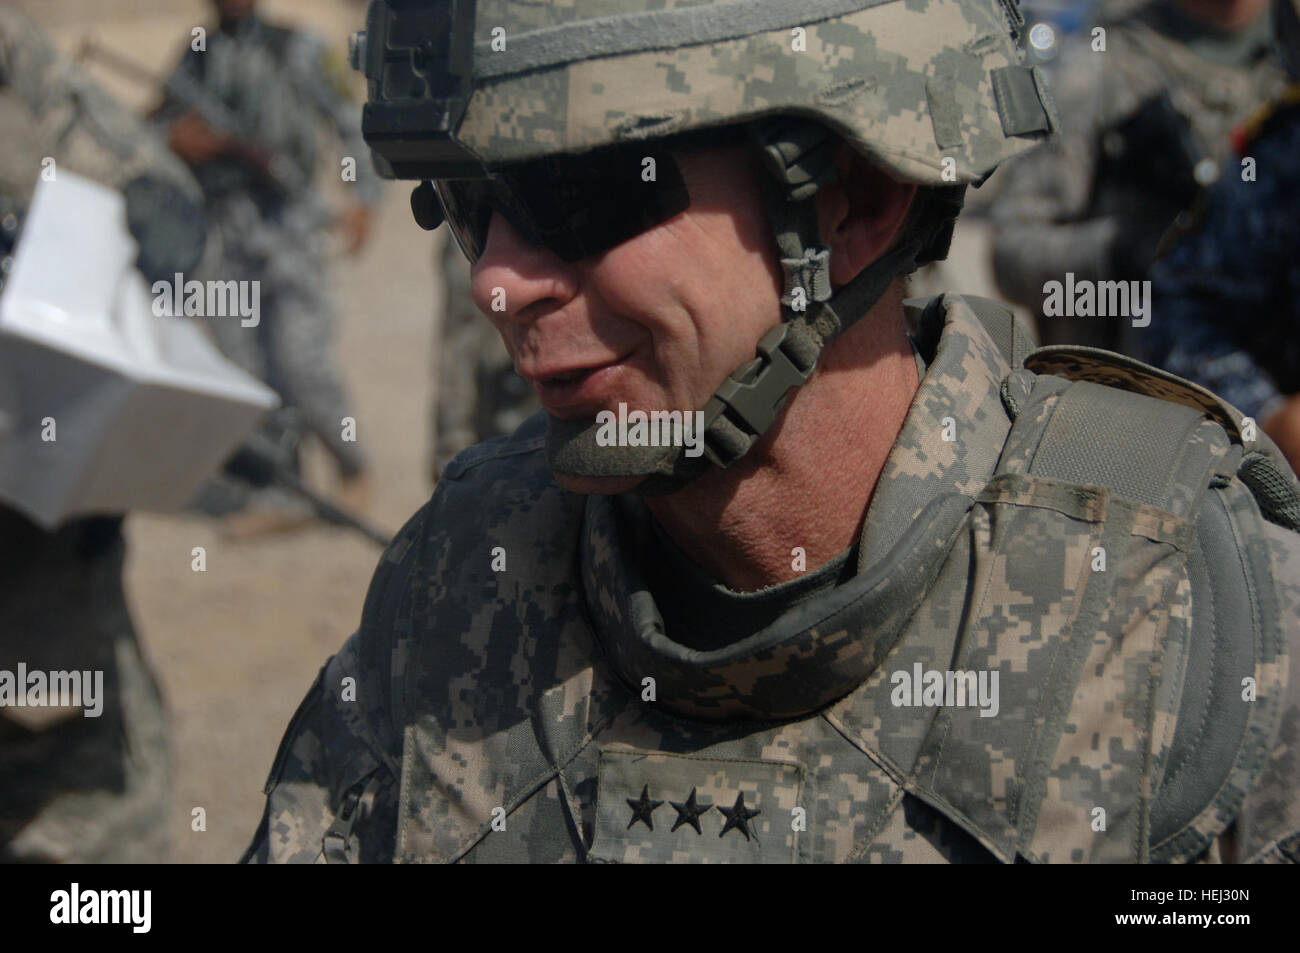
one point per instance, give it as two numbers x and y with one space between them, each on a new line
800 156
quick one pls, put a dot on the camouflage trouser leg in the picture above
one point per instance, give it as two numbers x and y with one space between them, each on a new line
249 348
300 319
73 788
455 401
478 395
244 347
125 819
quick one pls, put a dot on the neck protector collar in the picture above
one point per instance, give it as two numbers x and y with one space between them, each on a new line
807 658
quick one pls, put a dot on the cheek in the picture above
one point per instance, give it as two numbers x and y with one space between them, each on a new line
736 292
706 277
704 287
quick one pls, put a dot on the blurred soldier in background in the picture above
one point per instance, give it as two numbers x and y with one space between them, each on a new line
279 85
1228 297
1146 126
479 395
76 788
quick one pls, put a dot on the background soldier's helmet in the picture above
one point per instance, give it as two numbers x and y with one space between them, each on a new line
931 91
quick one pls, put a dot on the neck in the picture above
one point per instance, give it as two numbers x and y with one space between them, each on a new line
809 481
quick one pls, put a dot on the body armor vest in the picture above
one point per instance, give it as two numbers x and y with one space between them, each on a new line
1020 677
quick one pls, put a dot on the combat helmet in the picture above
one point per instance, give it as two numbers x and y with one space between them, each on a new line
532 108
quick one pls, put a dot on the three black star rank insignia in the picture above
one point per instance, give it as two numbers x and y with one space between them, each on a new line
691 810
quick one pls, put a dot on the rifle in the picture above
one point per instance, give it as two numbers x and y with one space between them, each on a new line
274 171
261 462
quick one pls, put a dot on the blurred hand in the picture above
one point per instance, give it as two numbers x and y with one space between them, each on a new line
1284 427
354 226
195 141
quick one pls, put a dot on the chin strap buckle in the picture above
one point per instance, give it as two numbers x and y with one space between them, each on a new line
747 403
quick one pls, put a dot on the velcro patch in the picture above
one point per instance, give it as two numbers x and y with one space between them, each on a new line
657 807
1020 104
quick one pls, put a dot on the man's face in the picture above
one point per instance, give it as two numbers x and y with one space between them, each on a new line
657 322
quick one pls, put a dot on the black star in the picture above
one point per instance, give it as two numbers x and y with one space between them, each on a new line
642 809
690 813
738 816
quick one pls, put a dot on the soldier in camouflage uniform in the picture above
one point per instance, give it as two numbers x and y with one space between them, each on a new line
1145 126
594 650
1228 297
280 85
73 788
479 396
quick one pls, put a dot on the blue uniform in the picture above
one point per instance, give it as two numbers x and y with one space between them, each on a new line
1226 301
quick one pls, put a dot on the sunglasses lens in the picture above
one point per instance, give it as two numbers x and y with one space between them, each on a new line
576 206
466 208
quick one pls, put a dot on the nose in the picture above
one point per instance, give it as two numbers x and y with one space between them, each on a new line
516 280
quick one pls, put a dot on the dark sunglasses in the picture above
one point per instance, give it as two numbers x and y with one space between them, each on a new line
576 205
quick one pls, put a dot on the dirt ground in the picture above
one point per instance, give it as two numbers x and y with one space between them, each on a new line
237 646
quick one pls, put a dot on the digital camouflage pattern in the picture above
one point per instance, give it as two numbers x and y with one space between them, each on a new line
51 108
1082 204
909 82
503 713
75 789
282 85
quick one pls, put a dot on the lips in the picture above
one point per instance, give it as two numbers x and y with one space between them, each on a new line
559 375
575 391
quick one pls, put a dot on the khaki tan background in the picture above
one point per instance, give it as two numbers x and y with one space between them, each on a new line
236 647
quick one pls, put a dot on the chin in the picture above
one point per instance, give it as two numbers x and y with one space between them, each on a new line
597 486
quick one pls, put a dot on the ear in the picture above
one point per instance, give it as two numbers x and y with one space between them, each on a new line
860 214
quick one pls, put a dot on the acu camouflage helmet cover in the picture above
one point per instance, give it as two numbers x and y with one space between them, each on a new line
457 86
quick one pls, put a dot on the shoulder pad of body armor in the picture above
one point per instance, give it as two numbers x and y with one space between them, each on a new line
1126 373
1262 468
1144 434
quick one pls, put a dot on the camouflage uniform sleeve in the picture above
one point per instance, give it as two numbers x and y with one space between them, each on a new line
1268 829
73 119
1220 296
325 77
331 795
333 790
1041 226
172 108
51 111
